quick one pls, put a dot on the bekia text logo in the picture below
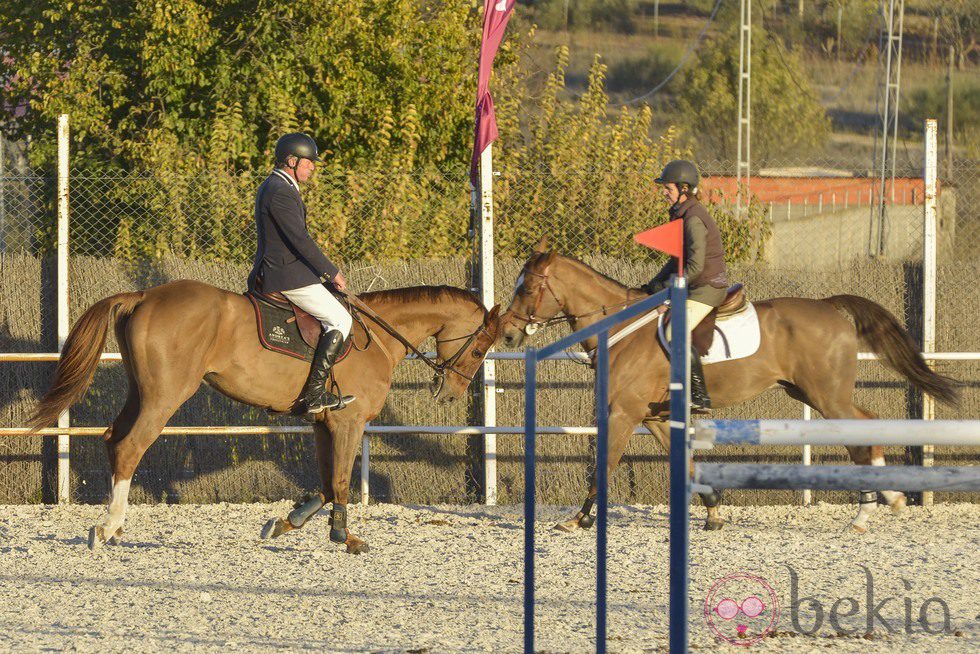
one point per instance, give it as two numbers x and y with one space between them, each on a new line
741 608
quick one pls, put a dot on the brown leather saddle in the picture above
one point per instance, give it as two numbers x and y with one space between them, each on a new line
285 328
704 334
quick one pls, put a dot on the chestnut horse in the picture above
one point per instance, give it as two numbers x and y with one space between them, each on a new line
808 348
174 336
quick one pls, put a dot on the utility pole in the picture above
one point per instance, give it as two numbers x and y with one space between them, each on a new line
743 168
889 91
656 18
840 16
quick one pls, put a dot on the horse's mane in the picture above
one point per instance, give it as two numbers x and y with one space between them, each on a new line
597 272
431 294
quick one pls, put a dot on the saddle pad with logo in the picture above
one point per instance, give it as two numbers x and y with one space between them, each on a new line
278 330
736 336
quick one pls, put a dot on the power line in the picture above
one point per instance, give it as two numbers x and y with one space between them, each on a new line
684 59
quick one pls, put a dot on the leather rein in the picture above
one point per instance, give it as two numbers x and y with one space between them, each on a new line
439 368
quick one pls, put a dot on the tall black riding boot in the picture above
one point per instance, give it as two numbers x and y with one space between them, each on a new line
317 397
699 389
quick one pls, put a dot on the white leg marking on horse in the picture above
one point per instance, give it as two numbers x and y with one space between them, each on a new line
117 507
891 497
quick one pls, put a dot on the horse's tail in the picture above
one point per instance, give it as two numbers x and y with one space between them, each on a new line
881 331
80 356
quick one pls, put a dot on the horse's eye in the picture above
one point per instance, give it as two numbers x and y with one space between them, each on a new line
477 353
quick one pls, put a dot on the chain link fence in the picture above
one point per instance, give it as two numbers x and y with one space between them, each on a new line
809 231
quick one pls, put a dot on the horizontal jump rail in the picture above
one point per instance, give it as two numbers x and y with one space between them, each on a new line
838 432
852 478
299 429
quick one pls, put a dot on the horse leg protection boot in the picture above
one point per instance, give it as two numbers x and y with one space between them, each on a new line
317 397
699 389
338 523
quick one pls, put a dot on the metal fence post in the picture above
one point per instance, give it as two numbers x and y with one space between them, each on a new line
64 421
929 278
530 419
489 386
602 486
680 481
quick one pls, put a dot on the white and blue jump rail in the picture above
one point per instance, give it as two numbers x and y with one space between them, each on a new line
705 434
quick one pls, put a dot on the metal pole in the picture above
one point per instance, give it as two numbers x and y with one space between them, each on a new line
656 18
366 470
929 278
743 167
602 486
807 457
489 386
530 418
680 482
64 468
3 194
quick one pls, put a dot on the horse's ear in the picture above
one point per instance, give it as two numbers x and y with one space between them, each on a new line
542 245
547 260
492 316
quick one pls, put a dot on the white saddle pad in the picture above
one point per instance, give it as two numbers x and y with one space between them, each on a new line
736 336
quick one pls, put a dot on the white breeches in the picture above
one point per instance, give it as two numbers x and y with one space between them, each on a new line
320 303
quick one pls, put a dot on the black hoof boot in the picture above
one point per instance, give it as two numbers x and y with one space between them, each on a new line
586 521
338 523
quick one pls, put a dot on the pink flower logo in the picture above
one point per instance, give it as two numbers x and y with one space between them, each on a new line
741 609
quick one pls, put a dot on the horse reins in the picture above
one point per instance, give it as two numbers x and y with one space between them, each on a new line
439 368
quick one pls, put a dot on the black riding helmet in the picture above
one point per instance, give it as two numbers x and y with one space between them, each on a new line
297 144
680 171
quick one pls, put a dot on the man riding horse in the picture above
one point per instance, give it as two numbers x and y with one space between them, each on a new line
704 258
289 261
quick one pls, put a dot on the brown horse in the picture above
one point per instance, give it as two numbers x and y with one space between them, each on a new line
808 348
174 336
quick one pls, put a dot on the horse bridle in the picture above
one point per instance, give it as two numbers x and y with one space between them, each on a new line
532 324
449 364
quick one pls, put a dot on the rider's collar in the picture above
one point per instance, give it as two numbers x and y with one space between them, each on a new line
286 177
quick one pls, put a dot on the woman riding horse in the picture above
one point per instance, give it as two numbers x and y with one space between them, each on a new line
704 262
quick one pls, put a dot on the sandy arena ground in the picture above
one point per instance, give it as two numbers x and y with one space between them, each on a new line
449 579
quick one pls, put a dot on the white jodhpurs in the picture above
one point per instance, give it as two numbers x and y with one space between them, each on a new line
320 303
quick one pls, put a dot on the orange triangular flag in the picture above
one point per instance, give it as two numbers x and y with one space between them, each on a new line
667 238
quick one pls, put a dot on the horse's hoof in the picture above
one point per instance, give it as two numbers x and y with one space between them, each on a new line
857 529
898 506
567 527
96 538
116 537
273 529
713 525
357 546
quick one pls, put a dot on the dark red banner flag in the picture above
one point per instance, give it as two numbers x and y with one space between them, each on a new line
496 13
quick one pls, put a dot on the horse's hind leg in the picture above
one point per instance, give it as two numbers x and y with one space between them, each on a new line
308 506
132 432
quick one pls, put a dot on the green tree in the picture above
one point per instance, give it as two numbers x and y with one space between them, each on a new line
193 85
786 114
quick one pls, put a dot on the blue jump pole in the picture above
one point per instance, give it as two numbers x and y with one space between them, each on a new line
602 486
680 484
530 418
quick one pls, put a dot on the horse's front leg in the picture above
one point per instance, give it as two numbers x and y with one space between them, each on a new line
712 501
307 507
347 431
622 421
